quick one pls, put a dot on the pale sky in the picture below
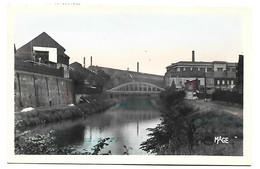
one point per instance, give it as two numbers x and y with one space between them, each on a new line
154 39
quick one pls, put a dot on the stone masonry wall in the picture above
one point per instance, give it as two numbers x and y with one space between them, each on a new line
36 90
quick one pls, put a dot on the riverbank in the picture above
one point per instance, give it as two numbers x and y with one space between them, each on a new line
76 136
196 127
94 104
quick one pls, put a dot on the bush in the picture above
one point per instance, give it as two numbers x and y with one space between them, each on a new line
44 145
171 97
36 117
186 130
228 96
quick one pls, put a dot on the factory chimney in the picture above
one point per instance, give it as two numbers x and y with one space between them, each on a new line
193 56
137 66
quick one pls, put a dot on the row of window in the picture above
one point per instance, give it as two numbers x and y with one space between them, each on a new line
224 82
179 69
217 82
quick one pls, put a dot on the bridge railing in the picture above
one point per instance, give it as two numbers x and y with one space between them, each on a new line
136 87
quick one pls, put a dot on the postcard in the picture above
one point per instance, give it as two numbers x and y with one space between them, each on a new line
129 84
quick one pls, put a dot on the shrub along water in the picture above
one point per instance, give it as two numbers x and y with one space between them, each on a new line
44 145
42 116
186 130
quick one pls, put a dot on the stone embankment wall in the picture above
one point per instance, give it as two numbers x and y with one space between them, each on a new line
36 90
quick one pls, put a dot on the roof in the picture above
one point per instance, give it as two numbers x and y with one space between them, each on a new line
95 68
66 56
124 76
191 81
78 67
42 40
190 63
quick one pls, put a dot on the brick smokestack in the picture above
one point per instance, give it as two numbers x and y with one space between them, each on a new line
91 61
193 56
137 66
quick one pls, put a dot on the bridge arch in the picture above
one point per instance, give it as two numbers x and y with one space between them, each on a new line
136 87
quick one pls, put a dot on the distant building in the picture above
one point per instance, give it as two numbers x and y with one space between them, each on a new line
84 81
84 74
44 51
216 75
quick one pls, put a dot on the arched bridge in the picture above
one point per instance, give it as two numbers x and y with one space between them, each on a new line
136 88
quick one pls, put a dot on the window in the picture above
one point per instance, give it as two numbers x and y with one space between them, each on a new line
202 69
194 69
209 69
41 56
219 69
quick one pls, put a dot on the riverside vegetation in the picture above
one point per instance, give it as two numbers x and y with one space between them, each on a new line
44 143
54 114
186 130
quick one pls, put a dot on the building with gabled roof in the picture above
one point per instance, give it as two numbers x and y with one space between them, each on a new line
43 50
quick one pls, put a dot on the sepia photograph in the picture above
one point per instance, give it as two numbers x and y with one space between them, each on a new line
129 84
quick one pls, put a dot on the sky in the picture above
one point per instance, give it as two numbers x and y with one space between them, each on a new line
118 39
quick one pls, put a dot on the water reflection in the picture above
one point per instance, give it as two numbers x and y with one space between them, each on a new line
70 136
124 124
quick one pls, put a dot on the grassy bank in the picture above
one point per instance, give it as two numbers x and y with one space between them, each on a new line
188 128
53 114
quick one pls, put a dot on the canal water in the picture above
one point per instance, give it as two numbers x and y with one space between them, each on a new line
125 125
